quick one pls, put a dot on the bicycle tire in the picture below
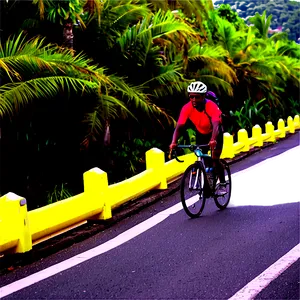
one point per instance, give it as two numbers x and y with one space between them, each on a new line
191 186
220 200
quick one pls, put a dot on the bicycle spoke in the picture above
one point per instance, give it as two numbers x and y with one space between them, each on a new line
223 190
192 185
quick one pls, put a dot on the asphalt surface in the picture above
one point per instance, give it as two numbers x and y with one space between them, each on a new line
216 261
286 286
175 261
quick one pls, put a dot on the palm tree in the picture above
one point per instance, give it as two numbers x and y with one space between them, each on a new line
262 24
147 52
66 13
260 64
207 64
32 71
141 49
106 26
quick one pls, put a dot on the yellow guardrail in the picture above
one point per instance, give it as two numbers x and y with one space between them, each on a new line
20 229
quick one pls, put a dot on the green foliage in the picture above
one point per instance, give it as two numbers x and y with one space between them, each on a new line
229 37
262 24
190 20
188 138
129 157
249 115
224 11
292 107
286 14
139 57
58 193
61 11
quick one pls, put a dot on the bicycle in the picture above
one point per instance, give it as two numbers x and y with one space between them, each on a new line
196 186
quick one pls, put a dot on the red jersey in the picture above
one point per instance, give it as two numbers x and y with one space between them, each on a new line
200 119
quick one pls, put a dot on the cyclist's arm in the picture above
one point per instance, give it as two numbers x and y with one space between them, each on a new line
184 113
215 114
215 130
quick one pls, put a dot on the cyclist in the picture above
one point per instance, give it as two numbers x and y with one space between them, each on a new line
206 116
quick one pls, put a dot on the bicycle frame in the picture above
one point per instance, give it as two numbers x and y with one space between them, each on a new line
205 187
200 159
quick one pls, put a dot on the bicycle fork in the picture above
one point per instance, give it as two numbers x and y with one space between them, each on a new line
197 183
193 185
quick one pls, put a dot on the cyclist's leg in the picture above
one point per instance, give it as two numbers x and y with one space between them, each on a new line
203 139
216 156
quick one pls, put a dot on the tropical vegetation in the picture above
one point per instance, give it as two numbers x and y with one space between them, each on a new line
97 83
285 13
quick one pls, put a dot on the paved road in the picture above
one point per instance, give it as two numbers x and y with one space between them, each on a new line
212 257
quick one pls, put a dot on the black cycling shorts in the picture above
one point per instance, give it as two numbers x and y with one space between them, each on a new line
202 139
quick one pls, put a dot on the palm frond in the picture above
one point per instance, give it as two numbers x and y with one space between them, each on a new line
211 59
161 29
198 8
262 23
165 23
41 7
127 14
229 37
95 127
20 58
107 108
168 81
279 36
14 96
134 95
217 52
156 5
287 49
94 9
216 83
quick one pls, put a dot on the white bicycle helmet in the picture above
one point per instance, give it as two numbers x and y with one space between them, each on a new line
197 87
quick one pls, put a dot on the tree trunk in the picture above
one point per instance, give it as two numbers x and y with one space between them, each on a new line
107 134
2 20
68 36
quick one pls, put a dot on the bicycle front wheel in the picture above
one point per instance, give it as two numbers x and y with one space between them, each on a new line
222 198
192 190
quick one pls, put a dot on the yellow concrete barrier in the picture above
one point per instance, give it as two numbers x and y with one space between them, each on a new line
21 229
256 140
155 159
297 122
133 187
52 218
96 192
14 225
280 132
173 168
242 144
91 204
290 125
228 150
154 177
269 136
237 147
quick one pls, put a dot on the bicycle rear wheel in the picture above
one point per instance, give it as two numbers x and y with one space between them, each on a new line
222 199
192 190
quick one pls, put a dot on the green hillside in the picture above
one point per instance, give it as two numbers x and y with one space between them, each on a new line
285 13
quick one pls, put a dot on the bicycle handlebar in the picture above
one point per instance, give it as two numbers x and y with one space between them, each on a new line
191 147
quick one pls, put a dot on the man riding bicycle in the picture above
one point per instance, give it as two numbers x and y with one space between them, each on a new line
206 116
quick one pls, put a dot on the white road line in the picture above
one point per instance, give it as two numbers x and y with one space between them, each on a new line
254 287
127 235
75 260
